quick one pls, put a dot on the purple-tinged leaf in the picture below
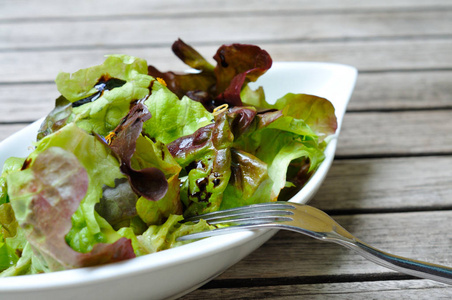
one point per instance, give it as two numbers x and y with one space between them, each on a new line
237 64
240 119
44 203
57 118
150 182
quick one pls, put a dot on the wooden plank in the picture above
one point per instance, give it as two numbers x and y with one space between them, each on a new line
19 9
8 129
419 235
396 133
26 102
366 56
271 27
373 55
402 90
401 289
387 184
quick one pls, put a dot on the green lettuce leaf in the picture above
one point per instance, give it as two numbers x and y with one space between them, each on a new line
9 227
314 115
110 105
316 112
291 140
149 154
173 118
27 264
161 237
11 164
250 182
206 158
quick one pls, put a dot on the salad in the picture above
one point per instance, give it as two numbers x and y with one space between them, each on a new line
129 151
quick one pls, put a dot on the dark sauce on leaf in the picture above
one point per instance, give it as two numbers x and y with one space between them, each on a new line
105 83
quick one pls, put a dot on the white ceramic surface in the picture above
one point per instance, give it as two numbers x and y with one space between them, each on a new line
172 273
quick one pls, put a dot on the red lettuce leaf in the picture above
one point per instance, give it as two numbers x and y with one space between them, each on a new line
248 172
118 203
237 64
191 57
150 182
240 119
185 83
45 204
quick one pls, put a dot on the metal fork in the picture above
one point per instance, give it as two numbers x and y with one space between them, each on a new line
315 223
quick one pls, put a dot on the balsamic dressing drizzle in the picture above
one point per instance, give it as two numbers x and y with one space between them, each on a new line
105 83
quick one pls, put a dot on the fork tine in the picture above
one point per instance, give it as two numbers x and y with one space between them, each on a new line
245 217
260 209
248 220
221 231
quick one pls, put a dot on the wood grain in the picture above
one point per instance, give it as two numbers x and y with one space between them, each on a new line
26 102
20 10
396 133
398 289
402 90
229 29
290 254
387 184
7 129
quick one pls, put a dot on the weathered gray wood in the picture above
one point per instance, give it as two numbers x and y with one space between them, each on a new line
403 289
419 235
388 183
402 90
261 28
23 9
26 102
371 55
396 133
8 129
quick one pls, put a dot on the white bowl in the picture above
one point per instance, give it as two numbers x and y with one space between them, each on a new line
175 272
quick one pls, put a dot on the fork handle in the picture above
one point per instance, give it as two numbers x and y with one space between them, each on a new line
401 264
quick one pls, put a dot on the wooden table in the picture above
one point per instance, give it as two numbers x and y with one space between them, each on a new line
391 182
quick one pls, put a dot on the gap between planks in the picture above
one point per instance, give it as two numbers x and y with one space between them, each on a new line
53 11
